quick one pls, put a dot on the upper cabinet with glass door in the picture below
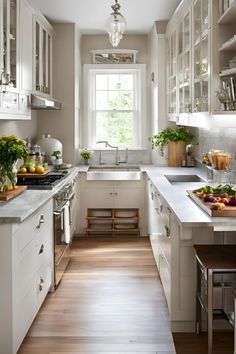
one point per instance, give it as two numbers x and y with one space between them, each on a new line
227 54
171 77
8 45
201 57
42 75
184 68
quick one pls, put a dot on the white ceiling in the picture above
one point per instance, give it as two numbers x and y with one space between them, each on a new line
91 15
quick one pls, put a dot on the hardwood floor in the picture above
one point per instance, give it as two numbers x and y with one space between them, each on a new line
110 301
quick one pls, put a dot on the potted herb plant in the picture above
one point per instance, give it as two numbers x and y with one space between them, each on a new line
86 155
12 148
57 157
176 140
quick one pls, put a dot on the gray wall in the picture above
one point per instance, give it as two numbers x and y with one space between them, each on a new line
22 128
64 124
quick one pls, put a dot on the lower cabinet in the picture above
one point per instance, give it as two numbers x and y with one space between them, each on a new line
112 194
26 273
172 246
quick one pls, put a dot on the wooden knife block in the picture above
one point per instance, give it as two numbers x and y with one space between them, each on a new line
176 153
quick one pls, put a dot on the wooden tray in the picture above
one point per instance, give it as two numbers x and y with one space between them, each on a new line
227 211
12 194
33 175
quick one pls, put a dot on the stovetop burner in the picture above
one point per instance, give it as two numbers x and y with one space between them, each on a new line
47 182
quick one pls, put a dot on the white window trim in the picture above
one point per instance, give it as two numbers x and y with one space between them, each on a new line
89 134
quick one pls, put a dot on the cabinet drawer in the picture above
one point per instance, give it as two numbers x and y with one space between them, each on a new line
24 314
165 278
36 255
44 282
26 310
32 225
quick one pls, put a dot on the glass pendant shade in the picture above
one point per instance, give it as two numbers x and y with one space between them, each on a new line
116 25
115 39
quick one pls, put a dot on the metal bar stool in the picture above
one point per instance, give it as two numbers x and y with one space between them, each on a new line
213 260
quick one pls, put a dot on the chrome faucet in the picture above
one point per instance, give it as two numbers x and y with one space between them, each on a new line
112 147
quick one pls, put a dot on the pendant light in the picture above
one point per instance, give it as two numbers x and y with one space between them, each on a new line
116 25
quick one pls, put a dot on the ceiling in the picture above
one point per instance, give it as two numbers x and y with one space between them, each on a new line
91 15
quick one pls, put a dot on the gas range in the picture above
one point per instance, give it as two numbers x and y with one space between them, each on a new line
47 182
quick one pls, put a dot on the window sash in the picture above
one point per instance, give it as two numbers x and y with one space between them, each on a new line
139 109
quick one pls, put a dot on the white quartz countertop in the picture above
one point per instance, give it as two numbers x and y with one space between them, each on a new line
19 208
186 210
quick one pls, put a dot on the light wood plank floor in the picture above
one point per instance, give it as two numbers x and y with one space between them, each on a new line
110 301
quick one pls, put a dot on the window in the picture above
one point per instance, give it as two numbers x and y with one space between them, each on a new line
115 108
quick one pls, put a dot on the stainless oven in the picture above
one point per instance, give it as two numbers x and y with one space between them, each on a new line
62 214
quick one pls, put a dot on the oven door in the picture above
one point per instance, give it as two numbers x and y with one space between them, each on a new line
61 247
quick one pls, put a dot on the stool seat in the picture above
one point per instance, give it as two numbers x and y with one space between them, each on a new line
213 260
217 256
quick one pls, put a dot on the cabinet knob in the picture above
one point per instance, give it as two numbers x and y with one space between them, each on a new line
41 284
116 193
41 221
41 249
110 193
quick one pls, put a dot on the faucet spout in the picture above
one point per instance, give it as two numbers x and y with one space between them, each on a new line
112 147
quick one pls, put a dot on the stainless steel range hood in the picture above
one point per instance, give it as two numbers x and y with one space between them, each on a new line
40 102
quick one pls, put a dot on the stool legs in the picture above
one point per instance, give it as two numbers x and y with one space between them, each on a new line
198 305
210 309
234 326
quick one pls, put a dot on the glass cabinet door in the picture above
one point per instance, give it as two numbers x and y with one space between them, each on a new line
44 61
172 76
49 63
8 40
184 55
43 49
1 42
12 43
37 56
201 55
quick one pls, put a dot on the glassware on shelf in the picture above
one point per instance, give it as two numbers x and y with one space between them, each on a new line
220 160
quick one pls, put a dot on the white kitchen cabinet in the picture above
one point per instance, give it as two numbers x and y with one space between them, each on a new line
111 194
197 61
184 64
42 55
201 56
26 263
15 59
9 36
26 46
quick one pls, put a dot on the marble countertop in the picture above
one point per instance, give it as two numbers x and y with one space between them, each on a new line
186 211
19 208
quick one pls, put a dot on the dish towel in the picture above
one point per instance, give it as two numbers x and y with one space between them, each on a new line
66 216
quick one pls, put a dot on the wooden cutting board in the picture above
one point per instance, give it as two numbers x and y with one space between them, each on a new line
34 175
4 196
227 211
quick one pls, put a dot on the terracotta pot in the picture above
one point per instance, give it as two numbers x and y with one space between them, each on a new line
176 153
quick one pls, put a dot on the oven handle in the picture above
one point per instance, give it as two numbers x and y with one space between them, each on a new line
59 210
